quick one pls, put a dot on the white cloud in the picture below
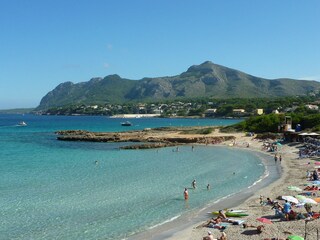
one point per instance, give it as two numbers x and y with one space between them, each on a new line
106 65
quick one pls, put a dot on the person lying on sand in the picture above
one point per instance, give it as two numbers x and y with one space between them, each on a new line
224 218
213 223
259 228
311 188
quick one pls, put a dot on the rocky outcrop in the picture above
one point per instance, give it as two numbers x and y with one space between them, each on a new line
154 138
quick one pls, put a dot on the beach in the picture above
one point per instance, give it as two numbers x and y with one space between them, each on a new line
290 172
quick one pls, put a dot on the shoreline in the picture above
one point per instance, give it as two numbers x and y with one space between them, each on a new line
293 173
181 227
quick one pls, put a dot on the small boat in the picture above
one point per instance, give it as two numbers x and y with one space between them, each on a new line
22 123
126 123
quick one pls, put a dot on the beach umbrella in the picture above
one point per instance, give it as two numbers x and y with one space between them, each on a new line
290 199
294 188
264 220
309 200
295 237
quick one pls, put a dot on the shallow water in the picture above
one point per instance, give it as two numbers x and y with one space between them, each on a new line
56 190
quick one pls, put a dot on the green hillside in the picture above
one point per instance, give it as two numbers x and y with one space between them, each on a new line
204 80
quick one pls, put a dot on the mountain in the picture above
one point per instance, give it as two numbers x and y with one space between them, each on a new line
204 80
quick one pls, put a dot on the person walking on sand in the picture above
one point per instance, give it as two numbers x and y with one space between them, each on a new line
275 158
186 194
280 158
194 184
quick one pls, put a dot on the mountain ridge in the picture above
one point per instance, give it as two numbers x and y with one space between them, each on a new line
204 80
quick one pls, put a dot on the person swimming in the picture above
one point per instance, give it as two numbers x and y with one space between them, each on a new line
194 184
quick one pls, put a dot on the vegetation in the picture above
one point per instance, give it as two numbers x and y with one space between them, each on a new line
206 80
196 107
203 131
272 123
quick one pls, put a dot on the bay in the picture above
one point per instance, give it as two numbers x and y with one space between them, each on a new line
75 190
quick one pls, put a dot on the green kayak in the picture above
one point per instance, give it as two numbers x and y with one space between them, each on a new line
232 214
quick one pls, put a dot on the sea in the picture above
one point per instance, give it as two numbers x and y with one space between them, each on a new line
52 189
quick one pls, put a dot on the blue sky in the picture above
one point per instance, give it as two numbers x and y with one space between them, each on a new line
46 42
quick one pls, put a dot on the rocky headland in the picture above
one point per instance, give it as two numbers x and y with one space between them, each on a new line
150 138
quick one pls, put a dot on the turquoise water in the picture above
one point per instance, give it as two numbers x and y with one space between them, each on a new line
54 190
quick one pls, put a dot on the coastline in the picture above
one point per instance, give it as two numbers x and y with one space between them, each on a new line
291 172
183 227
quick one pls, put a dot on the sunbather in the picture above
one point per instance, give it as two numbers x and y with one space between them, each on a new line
311 188
224 218
259 228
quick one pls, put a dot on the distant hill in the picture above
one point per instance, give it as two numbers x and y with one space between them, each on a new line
204 80
16 111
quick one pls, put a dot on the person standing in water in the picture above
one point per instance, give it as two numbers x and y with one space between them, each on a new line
208 187
186 194
194 184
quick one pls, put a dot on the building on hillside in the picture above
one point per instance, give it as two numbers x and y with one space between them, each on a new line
312 107
259 111
210 112
275 111
157 111
238 112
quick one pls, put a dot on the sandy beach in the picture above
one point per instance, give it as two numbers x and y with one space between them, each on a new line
290 172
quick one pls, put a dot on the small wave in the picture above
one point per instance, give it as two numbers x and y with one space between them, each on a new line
260 179
255 183
166 221
220 199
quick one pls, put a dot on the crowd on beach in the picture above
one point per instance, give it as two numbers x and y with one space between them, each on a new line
285 208
311 148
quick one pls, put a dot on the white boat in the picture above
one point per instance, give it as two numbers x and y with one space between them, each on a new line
22 123
126 123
